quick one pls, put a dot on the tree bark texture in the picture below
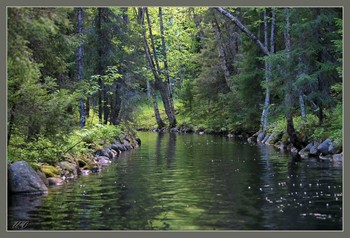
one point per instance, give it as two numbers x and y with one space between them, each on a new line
244 29
79 60
222 55
265 112
163 88
289 84
153 69
171 116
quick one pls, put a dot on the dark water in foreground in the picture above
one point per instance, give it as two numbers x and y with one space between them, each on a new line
191 182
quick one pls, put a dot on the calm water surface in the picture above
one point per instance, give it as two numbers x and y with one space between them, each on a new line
192 182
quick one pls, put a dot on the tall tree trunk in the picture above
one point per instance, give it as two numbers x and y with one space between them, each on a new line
222 55
302 104
79 60
105 104
152 67
302 71
87 107
244 29
116 102
289 84
148 89
265 112
163 89
171 115
288 81
159 120
100 67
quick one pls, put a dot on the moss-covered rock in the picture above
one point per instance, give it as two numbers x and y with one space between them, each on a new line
50 171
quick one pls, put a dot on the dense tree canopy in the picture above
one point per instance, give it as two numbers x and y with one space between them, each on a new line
231 69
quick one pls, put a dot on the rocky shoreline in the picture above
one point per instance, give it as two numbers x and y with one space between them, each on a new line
324 150
22 178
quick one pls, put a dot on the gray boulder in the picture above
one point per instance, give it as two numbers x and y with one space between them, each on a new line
103 161
324 146
106 152
127 145
304 153
69 170
119 147
313 149
331 149
23 179
43 177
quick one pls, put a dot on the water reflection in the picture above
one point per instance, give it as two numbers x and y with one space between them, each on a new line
191 182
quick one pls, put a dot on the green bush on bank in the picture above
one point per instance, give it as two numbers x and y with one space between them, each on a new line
308 129
51 151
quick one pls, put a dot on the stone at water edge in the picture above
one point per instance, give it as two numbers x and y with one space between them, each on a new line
53 181
324 146
313 149
138 140
103 160
43 177
22 178
68 169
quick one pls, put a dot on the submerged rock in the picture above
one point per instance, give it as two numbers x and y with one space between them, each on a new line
22 178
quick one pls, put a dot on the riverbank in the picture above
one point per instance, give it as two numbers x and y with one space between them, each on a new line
25 178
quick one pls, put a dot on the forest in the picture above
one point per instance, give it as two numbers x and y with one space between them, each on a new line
77 77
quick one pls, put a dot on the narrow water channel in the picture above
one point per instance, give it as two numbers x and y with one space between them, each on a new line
193 182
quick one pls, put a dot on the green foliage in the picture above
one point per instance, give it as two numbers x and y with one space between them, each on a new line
44 95
41 150
91 137
278 127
